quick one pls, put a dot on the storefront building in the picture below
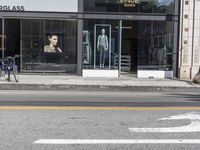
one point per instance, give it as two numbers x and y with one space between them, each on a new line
189 41
44 33
93 38
142 37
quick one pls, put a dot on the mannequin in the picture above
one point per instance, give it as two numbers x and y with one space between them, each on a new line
102 47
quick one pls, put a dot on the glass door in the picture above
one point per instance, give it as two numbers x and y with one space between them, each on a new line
2 39
129 51
101 48
101 44
11 37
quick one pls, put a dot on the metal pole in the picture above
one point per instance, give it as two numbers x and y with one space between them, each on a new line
120 46
3 38
8 74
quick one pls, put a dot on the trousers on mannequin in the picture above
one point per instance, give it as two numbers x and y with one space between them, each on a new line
102 56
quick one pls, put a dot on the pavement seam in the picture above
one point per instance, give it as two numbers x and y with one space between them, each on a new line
75 108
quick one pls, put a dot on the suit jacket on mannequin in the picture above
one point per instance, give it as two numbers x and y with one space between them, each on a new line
102 41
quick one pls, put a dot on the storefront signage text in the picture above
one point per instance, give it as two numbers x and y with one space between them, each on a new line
11 8
129 3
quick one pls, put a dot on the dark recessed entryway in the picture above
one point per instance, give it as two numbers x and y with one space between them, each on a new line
12 33
10 38
129 50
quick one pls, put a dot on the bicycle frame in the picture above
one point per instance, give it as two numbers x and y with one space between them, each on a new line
6 68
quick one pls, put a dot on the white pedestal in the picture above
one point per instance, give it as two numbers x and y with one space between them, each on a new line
154 74
100 73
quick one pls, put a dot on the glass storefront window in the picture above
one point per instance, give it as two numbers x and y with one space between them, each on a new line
49 45
12 34
2 38
156 44
151 44
100 44
136 6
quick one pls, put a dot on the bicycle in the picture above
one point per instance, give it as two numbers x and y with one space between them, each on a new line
7 66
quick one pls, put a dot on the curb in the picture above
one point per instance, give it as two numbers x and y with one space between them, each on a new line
97 88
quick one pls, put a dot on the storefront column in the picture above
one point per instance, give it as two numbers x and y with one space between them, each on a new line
186 34
79 39
79 47
196 37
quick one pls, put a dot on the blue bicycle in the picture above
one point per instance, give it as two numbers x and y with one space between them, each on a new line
8 65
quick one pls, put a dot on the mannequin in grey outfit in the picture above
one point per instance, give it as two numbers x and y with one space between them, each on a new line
102 47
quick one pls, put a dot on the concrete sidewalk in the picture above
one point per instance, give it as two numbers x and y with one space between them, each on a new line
66 82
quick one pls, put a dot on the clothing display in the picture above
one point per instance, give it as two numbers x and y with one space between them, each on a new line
86 48
102 47
102 41
48 49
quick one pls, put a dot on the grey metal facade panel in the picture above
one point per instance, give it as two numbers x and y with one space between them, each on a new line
123 17
22 15
80 5
79 46
59 16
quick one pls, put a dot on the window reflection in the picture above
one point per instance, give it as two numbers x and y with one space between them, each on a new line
100 44
155 45
49 45
143 6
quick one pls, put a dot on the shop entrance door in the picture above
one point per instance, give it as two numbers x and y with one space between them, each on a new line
10 37
129 50
2 39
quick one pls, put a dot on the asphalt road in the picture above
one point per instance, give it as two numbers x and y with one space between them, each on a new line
23 128
20 130
98 98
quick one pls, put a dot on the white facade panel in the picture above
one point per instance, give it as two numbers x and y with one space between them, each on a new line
100 73
154 74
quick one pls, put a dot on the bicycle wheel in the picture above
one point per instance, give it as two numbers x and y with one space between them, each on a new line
15 73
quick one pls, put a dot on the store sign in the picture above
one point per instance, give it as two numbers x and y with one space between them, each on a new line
129 3
11 8
39 5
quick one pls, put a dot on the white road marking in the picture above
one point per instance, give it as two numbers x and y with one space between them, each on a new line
194 126
106 141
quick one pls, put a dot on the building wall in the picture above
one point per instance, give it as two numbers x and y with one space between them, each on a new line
189 45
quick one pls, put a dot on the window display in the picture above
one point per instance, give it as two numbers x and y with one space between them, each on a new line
49 45
102 47
87 53
100 44
156 45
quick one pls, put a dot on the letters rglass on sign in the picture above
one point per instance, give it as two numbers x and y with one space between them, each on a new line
39 5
